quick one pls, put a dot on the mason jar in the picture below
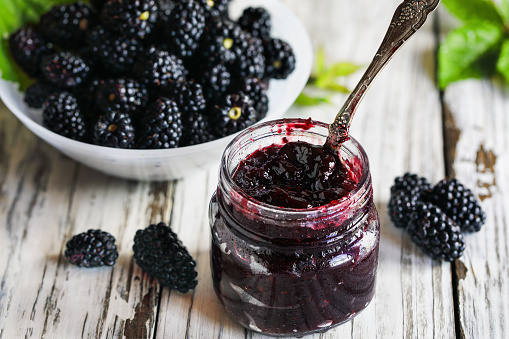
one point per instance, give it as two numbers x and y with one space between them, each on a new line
292 272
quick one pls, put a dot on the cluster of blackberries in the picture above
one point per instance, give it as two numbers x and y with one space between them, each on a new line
150 73
157 250
435 216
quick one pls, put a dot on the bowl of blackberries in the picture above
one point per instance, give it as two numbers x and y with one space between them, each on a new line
155 89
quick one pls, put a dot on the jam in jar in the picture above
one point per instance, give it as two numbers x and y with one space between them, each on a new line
295 232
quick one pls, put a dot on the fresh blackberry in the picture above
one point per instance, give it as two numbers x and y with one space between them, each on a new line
250 59
188 95
98 4
215 81
114 129
134 18
159 68
67 24
197 129
214 7
235 113
459 203
28 48
279 58
405 193
113 53
62 115
256 89
120 95
162 126
65 69
37 93
256 20
435 233
93 248
159 252
185 25
222 41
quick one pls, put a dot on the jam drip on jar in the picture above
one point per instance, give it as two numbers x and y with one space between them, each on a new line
296 175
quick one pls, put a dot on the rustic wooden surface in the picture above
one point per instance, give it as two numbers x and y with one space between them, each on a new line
404 123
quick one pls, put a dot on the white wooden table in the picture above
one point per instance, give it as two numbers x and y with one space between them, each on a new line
404 123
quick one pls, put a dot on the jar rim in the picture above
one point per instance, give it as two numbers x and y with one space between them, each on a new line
294 213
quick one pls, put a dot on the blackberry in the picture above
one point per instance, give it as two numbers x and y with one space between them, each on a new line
405 193
121 95
113 53
67 24
185 25
256 89
459 203
159 68
162 126
188 95
37 93
222 41
250 59
28 48
98 4
134 18
62 115
235 113
197 129
65 69
435 233
279 58
93 248
256 20
159 252
214 7
114 129
215 81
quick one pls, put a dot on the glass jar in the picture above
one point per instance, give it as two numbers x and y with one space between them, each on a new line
285 271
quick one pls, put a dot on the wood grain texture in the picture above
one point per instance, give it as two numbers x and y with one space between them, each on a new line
404 125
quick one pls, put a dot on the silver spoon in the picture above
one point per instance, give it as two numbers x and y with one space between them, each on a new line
408 18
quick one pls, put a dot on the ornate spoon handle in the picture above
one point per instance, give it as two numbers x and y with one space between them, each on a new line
408 18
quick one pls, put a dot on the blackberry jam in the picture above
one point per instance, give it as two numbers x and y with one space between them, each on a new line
295 232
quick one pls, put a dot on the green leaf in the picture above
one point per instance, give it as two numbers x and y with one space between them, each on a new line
474 10
463 48
326 80
15 14
306 100
320 60
503 60
503 9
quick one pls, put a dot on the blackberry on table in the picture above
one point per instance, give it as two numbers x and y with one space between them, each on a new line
93 248
235 113
257 21
67 24
435 233
279 58
459 203
65 69
121 95
134 18
159 68
62 115
162 126
113 53
37 93
28 48
185 25
405 193
114 129
159 252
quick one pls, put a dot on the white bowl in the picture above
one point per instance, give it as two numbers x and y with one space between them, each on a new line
175 163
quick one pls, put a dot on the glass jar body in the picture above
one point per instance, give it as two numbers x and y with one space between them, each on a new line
286 271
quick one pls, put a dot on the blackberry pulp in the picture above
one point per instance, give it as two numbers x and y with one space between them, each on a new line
295 232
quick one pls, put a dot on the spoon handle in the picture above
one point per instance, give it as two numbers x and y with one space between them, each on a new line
408 18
